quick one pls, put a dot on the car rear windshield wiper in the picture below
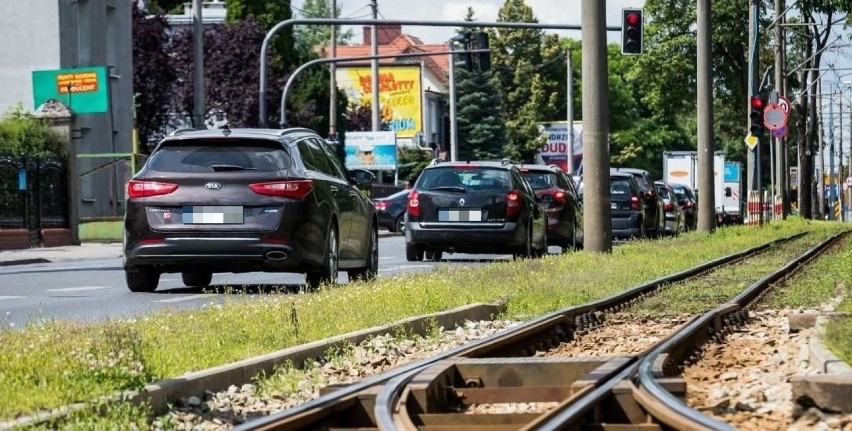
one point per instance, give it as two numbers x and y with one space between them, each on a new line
449 189
220 168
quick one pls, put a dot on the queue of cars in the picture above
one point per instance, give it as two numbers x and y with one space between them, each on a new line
259 200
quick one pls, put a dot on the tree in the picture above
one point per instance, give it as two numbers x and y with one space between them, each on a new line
164 6
480 125
153 74
524 96
268 13
24 135
311 38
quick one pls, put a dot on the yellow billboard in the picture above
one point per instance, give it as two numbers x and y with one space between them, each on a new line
399 95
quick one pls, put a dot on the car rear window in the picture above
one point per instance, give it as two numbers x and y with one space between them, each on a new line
210 156
541 180
473 178
619 187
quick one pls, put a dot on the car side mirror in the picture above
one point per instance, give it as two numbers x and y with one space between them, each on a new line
361 177
727 192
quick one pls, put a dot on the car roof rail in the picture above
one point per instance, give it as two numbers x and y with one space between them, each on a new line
435 161
295 129
182 130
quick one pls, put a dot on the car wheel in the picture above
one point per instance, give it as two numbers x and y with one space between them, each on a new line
413 253
370 271
196 279
434 256
526 250
328 273
400 224
142 279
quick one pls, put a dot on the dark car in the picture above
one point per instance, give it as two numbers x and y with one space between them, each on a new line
627 207
674 214
244 200
473 207
655 219
557 194
688 201
391 211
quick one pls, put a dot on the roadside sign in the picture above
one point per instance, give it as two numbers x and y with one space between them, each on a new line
781 133
84 90
774 116
751 141
784 103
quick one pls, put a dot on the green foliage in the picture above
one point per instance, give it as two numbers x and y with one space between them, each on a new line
311 38
24 135
411 162
268 13
516 57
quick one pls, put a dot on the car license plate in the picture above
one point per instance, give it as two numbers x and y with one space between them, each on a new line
212 214
459 214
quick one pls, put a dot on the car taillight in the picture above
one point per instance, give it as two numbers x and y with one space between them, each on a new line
297 189
560 197
513 203
669 207
142 189
634 203
381 206
414 204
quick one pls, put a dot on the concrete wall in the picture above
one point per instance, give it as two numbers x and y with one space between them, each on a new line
29 35
98 33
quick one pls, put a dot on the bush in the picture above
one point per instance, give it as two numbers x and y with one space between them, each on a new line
24 135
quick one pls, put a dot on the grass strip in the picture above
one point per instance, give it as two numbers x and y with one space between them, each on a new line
822 280
57 363
714 288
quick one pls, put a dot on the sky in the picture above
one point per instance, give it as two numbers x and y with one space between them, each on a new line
546 11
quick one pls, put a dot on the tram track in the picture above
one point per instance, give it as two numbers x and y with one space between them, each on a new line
509 350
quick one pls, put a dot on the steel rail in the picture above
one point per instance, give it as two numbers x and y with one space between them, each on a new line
321 407
660 402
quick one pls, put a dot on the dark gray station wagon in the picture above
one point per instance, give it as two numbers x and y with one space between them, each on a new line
244 200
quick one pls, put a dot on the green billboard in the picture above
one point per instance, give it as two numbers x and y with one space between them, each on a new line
84 90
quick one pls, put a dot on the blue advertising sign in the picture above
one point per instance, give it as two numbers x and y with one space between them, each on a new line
22 179
732 172
371 150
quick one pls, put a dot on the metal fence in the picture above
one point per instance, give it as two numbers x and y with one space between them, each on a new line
33 193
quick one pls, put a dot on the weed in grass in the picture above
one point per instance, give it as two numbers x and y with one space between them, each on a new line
53 372
838 337
817 283
102 416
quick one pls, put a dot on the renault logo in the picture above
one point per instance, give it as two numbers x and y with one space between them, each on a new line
461 202
213 186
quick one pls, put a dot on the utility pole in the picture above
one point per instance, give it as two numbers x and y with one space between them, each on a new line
753 161
820 179
840 178
597 221
831 181
780 143
570 111
198 65
706 147
374 67
332 108
453 143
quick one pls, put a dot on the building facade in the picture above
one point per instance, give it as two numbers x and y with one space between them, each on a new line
40 35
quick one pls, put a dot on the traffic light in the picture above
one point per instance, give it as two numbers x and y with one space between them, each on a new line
463 60
756 116
631 31
483 59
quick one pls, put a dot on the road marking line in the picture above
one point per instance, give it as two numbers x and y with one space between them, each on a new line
78 289
2 298
185 298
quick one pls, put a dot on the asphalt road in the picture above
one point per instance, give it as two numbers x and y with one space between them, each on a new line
94 289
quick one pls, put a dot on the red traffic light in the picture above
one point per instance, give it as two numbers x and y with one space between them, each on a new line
756 102
632 19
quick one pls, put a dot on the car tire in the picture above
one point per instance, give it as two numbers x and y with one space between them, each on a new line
142 279
399 224
196 279
328 273
434 256
526 250
369 272
413 253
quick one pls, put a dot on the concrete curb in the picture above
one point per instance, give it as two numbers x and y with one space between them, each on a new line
831 388
162 393
821 358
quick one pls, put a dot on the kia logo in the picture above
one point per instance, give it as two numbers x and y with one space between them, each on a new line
461 201
213 186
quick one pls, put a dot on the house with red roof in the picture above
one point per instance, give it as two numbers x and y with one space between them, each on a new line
412 90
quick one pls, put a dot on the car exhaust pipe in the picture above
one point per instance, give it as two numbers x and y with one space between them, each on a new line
276 255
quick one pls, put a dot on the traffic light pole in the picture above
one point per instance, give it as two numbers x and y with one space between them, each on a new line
706 146
753 161
452 90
